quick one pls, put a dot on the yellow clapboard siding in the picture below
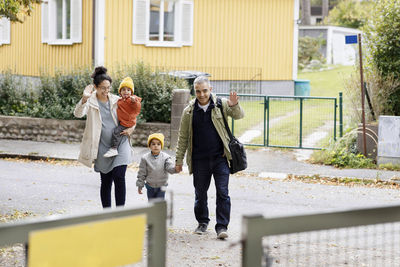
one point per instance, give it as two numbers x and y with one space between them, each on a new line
233 39
27 55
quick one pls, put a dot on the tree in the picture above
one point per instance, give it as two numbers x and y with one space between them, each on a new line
305 12
382 39
15 10
350 13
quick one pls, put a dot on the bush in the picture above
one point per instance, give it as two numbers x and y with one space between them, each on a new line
309 50
155 89
14 100
379 89
382 34
343 153
57 95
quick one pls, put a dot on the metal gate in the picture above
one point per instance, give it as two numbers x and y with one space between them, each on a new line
288 121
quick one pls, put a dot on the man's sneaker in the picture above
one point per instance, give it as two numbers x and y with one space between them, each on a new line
201 228
222 233
112 152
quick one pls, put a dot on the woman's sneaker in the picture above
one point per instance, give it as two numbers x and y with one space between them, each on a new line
112 152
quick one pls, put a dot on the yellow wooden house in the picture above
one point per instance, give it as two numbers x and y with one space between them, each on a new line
236 41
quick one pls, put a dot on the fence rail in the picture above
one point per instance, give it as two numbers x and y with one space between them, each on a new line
288 121
156 213
293 241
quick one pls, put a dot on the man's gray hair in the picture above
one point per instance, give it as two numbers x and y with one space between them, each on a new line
200 80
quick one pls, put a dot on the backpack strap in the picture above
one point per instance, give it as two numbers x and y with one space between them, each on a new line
219 105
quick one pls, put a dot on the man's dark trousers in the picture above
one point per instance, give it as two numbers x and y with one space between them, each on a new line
202 171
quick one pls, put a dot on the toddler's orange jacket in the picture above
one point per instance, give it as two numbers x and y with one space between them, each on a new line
128 110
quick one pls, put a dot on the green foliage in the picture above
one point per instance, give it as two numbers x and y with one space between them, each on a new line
343 153
309 49
15 10
382 39
380 90
389 167
350 13
13 100
57 95
154 88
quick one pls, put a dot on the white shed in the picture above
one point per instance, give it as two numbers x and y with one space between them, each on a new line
335 50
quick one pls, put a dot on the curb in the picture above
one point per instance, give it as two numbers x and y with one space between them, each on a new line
32 157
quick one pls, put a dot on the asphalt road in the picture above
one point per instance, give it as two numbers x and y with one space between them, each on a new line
68 188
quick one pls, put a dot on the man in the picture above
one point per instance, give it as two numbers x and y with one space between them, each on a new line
203 136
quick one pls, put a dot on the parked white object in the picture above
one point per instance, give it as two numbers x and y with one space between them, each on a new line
389 140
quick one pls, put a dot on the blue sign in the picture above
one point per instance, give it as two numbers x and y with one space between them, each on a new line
351 39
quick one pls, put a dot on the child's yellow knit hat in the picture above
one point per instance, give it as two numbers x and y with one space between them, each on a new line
126 82
158 136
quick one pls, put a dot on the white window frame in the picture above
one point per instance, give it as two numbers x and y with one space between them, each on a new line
5 31
49 23
141 24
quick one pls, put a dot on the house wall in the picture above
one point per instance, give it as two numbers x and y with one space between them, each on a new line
232 40
27 55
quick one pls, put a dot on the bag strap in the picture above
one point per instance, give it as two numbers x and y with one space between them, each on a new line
219 105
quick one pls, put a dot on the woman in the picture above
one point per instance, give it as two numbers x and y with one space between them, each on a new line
100 107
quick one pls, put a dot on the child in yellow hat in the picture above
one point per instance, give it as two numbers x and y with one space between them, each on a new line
154 168
128 109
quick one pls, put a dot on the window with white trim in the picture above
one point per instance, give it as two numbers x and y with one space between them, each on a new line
5 33
61 22
165 23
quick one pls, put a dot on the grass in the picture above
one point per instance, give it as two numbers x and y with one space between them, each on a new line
285 129
328 82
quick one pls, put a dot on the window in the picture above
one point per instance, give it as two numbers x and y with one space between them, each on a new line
4 31
61 22
163 22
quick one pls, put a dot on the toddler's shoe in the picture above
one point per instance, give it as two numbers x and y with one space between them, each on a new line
112 152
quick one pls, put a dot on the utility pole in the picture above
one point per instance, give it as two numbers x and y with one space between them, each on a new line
362 96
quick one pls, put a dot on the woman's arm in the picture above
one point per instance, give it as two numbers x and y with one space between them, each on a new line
81 107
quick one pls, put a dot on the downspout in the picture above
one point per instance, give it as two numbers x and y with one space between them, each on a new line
93 31
99 37
295 37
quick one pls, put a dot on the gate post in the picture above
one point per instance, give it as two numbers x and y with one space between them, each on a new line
301 123
267 98
265 118
340 114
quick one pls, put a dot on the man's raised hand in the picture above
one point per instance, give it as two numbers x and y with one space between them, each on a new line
233 99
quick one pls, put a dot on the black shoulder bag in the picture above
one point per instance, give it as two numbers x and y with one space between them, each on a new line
239 159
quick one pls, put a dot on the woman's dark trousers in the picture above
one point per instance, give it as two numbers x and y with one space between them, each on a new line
117 175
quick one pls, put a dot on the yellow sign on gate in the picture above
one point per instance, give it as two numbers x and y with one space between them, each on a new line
113 242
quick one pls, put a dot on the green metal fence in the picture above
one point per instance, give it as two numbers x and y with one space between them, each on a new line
156 213
360 237
288 121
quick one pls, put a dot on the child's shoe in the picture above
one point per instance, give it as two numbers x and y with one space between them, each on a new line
112 152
